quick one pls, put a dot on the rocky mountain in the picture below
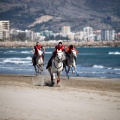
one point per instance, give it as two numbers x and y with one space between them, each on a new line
40 15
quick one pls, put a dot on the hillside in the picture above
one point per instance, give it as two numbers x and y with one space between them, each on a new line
52 15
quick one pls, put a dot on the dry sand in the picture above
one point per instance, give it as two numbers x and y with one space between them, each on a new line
23 97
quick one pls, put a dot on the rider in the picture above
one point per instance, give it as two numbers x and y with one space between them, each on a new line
69 50
37 47
61 47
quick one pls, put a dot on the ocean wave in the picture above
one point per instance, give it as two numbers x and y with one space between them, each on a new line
48 52
109 68
18 60
27 58
86 53
98 66
26 52
10 51
16 68
114 53
117 69
89 72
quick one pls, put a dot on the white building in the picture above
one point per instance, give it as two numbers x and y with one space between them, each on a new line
66 30
97 34
108 35
88 31
112 34
4 29
30 35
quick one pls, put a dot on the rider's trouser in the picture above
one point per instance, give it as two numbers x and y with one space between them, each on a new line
34 60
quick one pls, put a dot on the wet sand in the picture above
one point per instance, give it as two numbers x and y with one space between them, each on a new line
29 97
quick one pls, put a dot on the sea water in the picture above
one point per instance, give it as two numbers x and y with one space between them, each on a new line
101 62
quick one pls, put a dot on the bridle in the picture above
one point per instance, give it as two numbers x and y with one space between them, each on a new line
59 61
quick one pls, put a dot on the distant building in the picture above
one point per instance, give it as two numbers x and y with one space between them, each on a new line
22 35
112 34
88 31
66 30
97 34
108 35
30 35
47 33
4 30
117 36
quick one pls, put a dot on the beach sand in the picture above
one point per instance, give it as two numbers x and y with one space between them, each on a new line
29 97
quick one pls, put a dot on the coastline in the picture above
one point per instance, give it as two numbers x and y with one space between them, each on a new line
22 97
18 44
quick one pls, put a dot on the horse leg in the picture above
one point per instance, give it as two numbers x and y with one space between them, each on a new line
68 69
41 68
73 70
52 81
76 71
66 72
35 70
58 79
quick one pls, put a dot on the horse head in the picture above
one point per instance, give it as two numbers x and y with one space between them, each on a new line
74 54
40 52
59 55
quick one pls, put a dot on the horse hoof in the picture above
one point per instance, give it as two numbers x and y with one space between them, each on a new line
77 74
52 83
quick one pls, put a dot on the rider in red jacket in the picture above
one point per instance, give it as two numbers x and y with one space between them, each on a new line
37 47
69 50
61 47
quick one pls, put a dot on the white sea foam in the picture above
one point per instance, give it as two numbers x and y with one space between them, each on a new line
11 51
98 66
27 58
26 52
48 52
109 68
17 60
117 69
114 53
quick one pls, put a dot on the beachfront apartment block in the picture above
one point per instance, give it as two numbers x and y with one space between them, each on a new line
88 31
4 30
107 35
117 36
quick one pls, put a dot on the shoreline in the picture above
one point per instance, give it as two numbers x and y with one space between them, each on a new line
18 44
